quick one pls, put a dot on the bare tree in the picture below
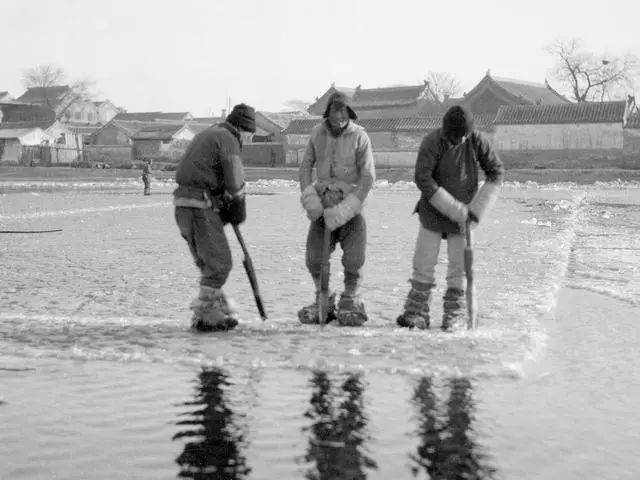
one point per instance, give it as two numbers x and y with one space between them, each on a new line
443 85
592 77
49 75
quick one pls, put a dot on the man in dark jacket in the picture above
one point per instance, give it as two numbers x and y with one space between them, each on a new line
211 194
447 174
146 176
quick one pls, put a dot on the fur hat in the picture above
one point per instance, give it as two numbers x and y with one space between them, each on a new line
341 100
243 117
457 122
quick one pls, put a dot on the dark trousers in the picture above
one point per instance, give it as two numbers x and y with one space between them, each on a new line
352 237
204 233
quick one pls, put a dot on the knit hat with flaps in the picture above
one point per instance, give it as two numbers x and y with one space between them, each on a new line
341 100
243 117
457 122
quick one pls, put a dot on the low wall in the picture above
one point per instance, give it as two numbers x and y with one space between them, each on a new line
569 159
114 155
394 158
263 154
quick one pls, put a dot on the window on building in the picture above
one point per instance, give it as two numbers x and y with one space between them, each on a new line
62 139
166 142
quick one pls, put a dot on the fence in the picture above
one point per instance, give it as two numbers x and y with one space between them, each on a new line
46 155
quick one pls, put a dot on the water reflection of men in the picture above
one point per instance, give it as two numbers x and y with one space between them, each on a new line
215 447
447 451
338 432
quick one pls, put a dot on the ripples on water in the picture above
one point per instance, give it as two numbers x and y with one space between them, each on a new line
280 399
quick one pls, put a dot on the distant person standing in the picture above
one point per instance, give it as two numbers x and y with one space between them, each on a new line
340 152
210 194
146 176
447 174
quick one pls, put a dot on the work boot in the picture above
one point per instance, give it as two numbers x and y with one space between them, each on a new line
416 306
351 311
212 311
311 313
454 310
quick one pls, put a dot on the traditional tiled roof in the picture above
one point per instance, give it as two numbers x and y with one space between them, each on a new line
413 124
27 125
197 127
386 96
158 131
208 120
15 132
152 116
318 107
534 93
21 112
283 119
584 112
301 126
45 95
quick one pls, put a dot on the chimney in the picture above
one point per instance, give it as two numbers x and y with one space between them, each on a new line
224 113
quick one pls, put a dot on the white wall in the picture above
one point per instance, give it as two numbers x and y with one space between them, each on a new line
558 136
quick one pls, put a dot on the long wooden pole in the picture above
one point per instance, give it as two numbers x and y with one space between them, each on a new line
323 301
472 313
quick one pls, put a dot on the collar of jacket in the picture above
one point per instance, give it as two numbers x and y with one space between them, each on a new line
349 127
233 130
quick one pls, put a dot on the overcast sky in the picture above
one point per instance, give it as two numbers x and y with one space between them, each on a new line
192 55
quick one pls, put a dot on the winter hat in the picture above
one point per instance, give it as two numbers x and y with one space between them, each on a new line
341 100
243 117
457 122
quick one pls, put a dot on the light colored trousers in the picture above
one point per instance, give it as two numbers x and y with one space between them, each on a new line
425 258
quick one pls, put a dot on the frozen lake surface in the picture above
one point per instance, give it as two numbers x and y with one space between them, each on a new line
100 376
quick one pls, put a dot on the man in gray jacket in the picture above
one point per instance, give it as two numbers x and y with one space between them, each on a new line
340 151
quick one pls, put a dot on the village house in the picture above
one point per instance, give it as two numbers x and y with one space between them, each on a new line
527 121
493 92
162 141
385 102
26 125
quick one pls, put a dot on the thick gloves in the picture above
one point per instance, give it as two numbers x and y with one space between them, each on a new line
311 202
234 208
444 202
337 216
483 201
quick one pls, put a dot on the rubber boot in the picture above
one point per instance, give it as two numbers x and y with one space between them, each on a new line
454 310
416 306
212 310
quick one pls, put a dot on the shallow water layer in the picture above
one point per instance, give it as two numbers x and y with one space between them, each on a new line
98 366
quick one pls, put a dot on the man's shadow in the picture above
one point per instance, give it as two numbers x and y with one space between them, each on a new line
447 450
213 449
338 432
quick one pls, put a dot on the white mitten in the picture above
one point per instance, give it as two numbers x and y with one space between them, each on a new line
337 216
444 202
311 203
484 200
